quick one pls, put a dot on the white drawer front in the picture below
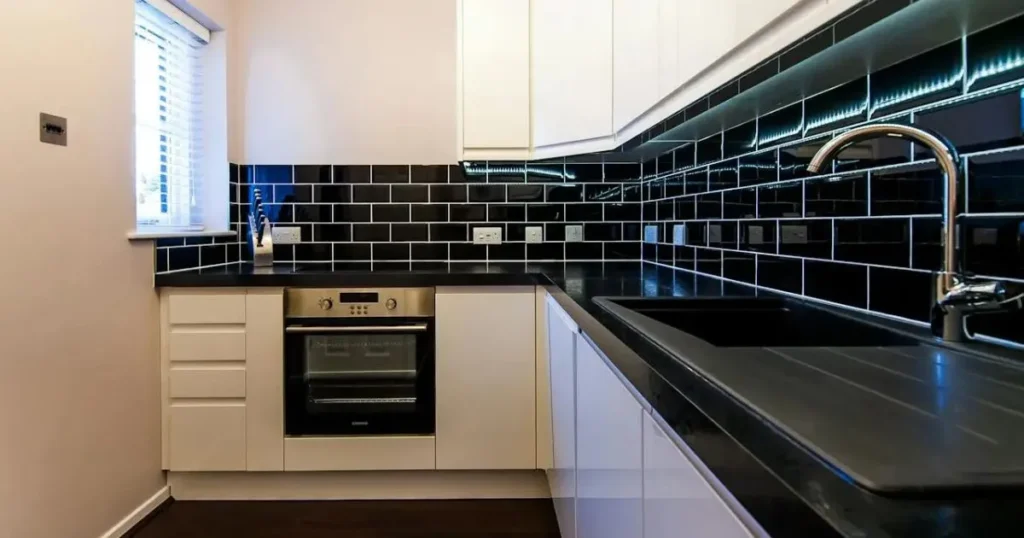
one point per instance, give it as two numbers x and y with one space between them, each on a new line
193 308
207 344
358 453
207 383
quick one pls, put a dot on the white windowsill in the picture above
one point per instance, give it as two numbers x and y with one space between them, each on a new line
137 235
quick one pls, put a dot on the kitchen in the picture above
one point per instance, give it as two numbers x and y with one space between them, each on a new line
547 268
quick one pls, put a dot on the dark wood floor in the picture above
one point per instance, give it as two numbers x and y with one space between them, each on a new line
353 519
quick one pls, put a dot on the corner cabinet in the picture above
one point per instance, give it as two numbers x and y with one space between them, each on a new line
486 378
571 71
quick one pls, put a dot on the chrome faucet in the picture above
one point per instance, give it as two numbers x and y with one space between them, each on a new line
957 295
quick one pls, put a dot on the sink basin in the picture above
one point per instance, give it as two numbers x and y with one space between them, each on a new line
761 322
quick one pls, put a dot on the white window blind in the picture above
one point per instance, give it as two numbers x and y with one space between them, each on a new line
168 120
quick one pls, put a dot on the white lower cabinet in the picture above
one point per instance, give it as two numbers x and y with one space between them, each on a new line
617 473
609 454
562 337
677 501
486 378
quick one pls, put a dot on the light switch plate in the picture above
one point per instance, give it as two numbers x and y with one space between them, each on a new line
679 235
534 234
793 235
486 236
53 129
286 235
573 233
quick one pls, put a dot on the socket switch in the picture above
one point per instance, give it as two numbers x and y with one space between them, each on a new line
534 234
574 233
486 236
679 235
286 235
793 235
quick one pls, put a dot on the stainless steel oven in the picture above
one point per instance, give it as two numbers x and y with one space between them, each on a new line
359 361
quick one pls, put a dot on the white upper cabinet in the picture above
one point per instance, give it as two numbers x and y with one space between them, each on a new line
609 453
495 74
635 55
668 46
757 14
707 31
572 70
677 497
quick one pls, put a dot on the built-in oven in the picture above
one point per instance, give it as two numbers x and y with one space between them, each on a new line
359 361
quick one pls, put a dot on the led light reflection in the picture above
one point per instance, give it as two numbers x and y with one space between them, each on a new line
472 169
920 90
1013 60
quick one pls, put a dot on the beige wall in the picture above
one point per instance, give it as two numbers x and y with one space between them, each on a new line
79 368
344 82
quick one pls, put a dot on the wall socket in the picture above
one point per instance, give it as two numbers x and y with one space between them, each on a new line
534 234
793 234
679 235
650 234
286 235
486 236
573 233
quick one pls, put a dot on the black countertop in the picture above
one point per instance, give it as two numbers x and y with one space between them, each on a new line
788 489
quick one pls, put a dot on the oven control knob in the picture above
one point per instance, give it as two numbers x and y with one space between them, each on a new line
325 303
391 304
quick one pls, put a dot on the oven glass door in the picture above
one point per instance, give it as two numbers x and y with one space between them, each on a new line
352 379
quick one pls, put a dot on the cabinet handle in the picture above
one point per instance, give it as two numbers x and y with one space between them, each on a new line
353 329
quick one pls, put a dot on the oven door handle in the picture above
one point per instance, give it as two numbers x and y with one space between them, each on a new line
421 327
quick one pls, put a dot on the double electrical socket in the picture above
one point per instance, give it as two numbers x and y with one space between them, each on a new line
286 235
486 236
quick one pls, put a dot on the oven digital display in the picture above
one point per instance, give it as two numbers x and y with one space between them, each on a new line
358 297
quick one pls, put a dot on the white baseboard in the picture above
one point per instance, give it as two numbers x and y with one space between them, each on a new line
137 515
350 485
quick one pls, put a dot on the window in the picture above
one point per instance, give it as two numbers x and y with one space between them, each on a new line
168 117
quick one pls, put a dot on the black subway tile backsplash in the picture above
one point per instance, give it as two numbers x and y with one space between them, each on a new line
867 231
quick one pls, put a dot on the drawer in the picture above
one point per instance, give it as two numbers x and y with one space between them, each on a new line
391 453
206 437
207 344
199 308
207 382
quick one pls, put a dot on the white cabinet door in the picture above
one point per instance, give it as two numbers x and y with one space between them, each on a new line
486 378
207 437
757 14
562 336
495 73
707 31
668 46
609 455
677 499
572 70
635 54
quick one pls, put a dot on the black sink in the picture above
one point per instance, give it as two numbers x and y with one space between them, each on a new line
762 322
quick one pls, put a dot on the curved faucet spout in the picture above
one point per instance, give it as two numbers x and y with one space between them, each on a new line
947 158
